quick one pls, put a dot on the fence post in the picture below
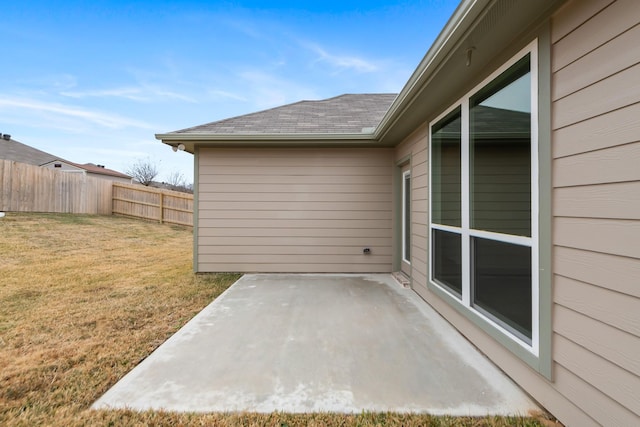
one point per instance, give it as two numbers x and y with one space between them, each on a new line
161 207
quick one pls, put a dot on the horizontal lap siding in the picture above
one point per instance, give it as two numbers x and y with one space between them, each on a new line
596 208
596 221
415 148
294 210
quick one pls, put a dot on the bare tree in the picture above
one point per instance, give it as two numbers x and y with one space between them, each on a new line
143 171
177 182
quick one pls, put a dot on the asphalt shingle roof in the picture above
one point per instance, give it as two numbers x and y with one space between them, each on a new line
344 114
100 170
19 152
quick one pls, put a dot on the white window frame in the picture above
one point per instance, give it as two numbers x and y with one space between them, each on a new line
406 174
464 302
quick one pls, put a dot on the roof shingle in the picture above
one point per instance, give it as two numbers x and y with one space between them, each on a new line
19 152
10 149
344 114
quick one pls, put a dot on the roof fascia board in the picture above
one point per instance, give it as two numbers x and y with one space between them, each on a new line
190 141
462 20
191 146
261 137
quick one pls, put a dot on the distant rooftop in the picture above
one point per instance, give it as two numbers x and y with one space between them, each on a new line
344 114
10 149
100 170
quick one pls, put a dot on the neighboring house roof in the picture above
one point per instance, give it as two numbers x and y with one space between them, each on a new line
344 114
101 170
10 149
18 152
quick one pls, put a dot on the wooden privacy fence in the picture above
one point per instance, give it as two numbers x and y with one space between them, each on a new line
166 206
29 188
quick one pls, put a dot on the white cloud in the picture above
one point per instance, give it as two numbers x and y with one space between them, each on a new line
143 93
270 91
163 93
63 81
125 92
67 112
224 94
342 62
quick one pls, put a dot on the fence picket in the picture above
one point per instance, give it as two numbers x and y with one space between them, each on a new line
28 188
165 206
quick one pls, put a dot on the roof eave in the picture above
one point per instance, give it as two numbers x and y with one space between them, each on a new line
432 83
191 140
485 28
453 31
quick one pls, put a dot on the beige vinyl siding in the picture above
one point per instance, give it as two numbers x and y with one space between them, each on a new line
294 210
596 224
596 221
596 207
415 149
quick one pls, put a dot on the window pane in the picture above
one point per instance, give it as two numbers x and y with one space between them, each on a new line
407 217
447 260
500 150
445 170
502 283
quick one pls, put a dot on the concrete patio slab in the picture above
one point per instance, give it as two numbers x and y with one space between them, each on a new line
305 343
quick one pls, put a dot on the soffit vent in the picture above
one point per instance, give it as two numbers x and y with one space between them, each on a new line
490 20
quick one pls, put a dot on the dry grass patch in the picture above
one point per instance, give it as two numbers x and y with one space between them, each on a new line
85 298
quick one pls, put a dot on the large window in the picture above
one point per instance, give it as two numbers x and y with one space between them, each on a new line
483 200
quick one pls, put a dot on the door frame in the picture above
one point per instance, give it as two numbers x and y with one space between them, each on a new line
403 168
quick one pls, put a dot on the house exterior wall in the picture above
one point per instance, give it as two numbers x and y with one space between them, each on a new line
294 210
595 143
313 210
596 207
65 167
414 151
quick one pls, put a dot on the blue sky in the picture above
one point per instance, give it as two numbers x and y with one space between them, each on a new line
93 81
